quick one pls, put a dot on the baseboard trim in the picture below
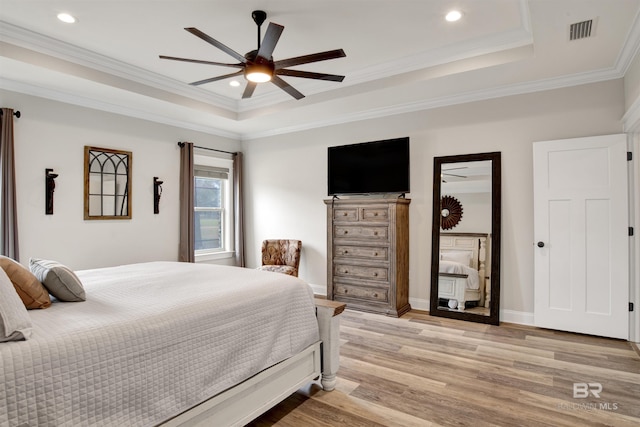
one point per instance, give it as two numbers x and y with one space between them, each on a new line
419 304
509 316
518 317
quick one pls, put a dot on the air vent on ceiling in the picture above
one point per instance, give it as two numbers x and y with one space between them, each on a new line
580 30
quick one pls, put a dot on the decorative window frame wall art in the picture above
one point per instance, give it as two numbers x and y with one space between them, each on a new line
107 183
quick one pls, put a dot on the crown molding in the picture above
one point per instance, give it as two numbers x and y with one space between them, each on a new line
55 95
631 119
37 42
481 95
630 48
431 58
632 116
27 39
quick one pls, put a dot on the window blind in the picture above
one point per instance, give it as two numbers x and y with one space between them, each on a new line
211 172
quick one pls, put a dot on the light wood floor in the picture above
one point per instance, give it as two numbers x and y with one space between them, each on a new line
428 371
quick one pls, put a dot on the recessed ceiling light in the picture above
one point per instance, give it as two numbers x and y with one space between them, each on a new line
66 17
453 16
234 83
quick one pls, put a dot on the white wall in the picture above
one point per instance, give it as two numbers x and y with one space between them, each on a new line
53 135
286 176
476 212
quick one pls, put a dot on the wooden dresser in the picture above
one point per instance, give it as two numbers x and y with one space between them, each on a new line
368 254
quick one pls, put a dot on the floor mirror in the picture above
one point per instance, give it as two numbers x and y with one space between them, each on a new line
465 262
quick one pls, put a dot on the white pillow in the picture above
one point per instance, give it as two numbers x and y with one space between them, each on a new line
15 323
461 257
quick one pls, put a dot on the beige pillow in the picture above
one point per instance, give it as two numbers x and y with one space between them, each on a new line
28 287
15 323
59 280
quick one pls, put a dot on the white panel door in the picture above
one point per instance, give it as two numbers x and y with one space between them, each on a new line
581 231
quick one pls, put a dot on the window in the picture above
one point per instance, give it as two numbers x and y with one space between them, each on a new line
213 213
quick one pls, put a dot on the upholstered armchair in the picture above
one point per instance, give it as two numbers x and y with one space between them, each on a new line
282 256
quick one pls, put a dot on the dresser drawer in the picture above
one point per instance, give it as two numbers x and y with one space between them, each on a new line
361 272
361 232
381 295
375 214
345 214
346 251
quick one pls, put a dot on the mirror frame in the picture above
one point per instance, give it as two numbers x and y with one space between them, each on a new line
496 191
87 165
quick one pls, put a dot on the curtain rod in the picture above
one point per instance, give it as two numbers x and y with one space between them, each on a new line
15 113
181 144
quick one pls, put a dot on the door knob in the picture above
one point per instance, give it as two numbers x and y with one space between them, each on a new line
541 244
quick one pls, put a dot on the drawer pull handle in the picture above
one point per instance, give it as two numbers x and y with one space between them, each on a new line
345 271
375 295
346 231
375 233
375 214
375 274
375 254
345 291
344 214
346 252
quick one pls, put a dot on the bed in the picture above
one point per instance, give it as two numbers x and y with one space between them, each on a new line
462 269
167 343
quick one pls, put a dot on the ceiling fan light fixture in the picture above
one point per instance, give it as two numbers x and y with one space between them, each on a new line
258 73
258 77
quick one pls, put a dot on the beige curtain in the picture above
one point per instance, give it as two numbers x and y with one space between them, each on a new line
238 196
8 212
187 234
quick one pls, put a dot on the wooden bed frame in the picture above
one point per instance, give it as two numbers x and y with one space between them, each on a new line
256 395
454 286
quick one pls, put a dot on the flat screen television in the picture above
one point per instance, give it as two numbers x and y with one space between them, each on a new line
369 167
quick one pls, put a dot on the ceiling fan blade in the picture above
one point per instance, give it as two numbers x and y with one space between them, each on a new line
457 176
215 79
310 75
217 44
306 59
248 90
198 61
270 40
286 87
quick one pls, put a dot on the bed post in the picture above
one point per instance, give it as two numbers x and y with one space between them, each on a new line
482 258
328 314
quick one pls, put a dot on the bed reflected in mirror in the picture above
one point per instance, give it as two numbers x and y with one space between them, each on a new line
465 267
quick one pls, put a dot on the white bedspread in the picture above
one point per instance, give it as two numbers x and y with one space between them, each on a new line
151 341
473 281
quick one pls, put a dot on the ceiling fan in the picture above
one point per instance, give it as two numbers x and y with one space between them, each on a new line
258 65
445 172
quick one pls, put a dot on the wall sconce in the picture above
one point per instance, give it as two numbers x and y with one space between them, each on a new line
49 187
157 192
